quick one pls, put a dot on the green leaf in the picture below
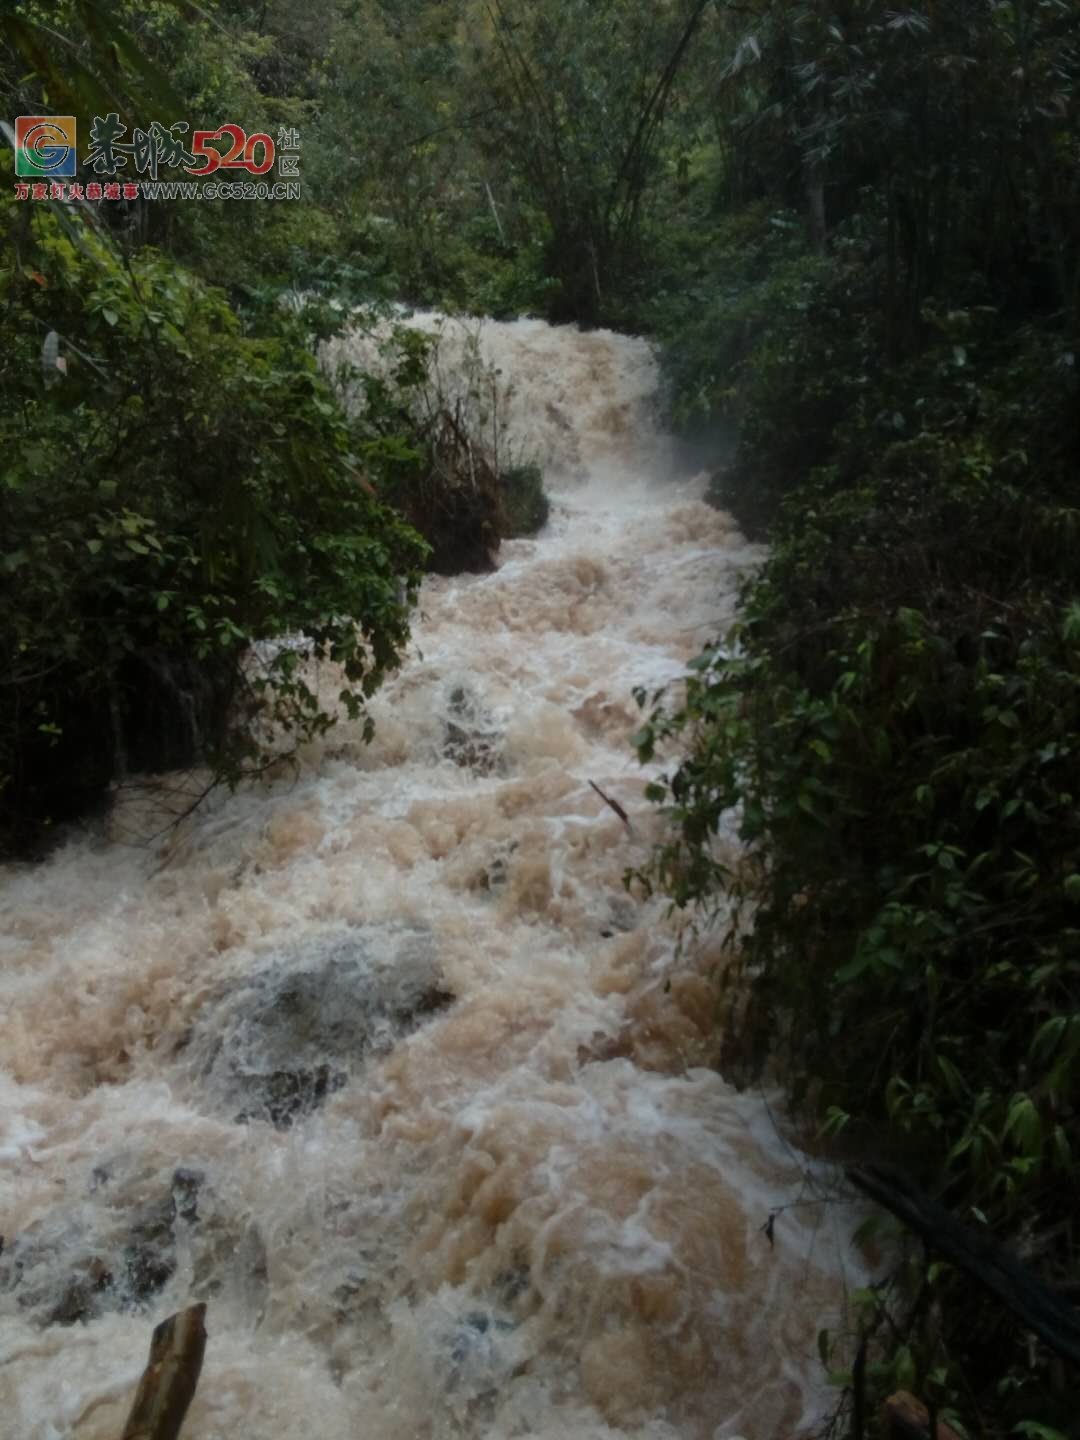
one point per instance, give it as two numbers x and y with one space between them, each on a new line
855 967
1047 1037
903 1367
1063 1156
1023 1125
951 1075
835 1120
644 741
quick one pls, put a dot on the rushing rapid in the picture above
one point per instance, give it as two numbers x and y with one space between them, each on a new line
380 1060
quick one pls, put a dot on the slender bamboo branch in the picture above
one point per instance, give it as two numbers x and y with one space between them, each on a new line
1041 1309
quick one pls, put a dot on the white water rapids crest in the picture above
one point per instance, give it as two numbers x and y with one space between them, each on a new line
383 1063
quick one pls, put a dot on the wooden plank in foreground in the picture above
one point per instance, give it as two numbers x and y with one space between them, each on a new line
171 1375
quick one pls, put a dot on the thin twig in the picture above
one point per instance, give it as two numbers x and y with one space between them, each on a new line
614 805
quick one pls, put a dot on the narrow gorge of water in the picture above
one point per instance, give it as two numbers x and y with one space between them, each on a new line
381 1061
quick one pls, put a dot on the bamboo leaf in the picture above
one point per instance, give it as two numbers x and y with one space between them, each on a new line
116 50
69 83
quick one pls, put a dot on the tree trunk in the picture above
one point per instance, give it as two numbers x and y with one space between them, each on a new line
815 209
814 182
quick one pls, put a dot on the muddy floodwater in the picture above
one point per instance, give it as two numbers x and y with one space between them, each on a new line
381 1061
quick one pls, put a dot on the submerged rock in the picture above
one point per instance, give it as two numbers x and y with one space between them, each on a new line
186 1185
150 1255
83 1295
79 1262
276 1045
470 736
480 1352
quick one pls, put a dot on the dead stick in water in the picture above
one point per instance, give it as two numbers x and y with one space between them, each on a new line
614 805
169 1380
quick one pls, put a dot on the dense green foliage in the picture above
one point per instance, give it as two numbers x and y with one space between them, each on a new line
855 232
182 491
893 726
464 490
181 482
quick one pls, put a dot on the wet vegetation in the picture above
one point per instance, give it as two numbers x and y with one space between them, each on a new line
855 233
181 479
890 306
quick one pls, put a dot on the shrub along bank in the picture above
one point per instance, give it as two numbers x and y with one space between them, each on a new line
182 482
893 725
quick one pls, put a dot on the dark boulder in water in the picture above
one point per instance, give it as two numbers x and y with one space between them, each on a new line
278 1043
470 736
77 1263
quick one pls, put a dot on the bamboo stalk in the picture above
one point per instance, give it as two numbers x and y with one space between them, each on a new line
495 213
168 1383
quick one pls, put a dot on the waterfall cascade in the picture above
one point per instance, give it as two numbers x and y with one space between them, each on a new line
383 1063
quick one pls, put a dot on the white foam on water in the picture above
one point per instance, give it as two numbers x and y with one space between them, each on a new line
535 1210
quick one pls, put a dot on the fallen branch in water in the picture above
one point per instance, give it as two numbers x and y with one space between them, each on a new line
614 805
1038 1307
169 1380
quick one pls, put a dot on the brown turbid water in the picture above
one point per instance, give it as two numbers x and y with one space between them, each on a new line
381 1061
